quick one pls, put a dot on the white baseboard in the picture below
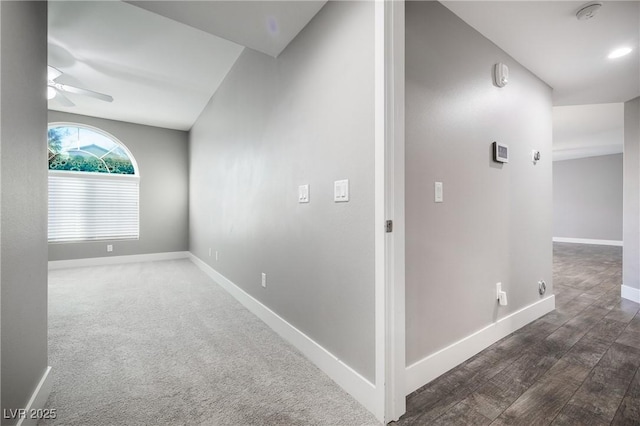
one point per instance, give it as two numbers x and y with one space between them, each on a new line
630 293
587 241
434 365
357 386
113 260
38 399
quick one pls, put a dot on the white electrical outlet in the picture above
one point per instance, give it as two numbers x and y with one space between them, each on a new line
216 255
303 193
264 280
109 248
501 295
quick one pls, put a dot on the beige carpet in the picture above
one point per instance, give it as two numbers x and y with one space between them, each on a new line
159 343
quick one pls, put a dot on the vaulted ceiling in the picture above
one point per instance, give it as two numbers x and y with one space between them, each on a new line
161 61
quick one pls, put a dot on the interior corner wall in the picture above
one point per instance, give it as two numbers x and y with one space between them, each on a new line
23 192
495 224
631 209
162 156
587 198
1 405
306 117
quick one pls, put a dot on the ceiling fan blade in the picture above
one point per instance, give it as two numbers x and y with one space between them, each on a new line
53 73
64 101
86 92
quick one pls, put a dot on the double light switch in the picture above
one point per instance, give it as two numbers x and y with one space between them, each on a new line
340 192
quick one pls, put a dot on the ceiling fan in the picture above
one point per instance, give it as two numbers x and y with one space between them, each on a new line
55 90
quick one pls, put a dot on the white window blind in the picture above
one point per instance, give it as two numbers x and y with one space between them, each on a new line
92 206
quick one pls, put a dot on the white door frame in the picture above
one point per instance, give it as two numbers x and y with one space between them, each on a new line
394 183
389 205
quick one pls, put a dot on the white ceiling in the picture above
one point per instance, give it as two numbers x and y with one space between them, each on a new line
587 130
159 71
571 57
163 60
265 26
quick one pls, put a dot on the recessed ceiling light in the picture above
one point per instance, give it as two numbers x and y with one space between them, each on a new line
619 52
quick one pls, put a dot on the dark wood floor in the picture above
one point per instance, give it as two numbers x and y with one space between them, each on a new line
578 365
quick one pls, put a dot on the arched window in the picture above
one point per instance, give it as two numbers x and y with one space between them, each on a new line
93 186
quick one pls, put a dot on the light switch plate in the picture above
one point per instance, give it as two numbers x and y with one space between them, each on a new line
341 191
438 192
303 193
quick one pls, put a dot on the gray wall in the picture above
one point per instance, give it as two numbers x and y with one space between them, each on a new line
23 169
587 198
496 220
162 157
306 117
631 218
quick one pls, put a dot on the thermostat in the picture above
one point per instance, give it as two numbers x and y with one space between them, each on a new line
500 153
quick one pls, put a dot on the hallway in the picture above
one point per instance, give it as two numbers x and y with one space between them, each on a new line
159 343
576 365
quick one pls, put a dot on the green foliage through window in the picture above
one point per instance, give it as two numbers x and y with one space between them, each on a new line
79 149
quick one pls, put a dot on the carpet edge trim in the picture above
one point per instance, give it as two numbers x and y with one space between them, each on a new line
616 243
114 260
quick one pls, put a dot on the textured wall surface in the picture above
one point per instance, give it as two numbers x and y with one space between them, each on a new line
495 222
23 169
631 214
306 117
587 198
